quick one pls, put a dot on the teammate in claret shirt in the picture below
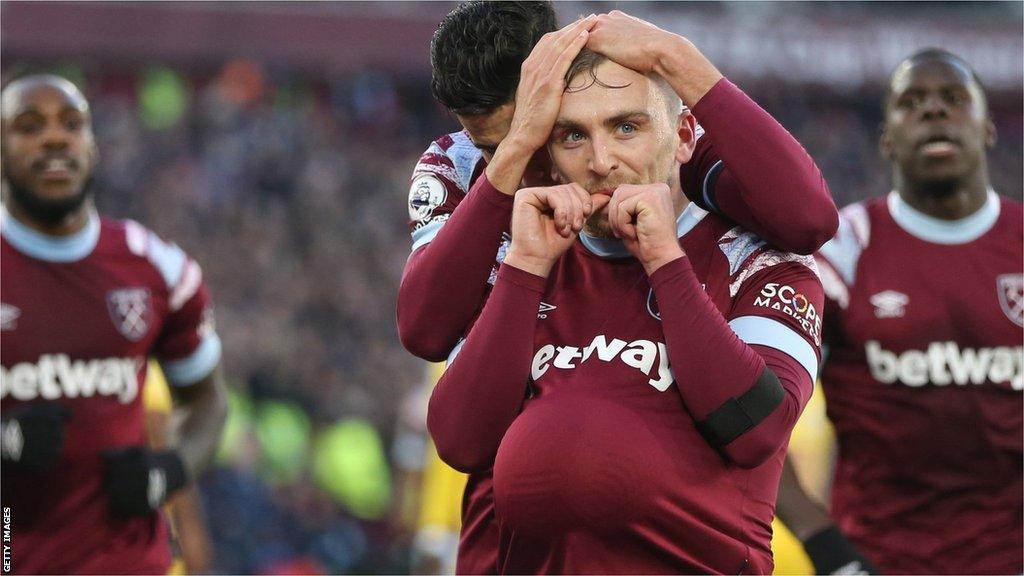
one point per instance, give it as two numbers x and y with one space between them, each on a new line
746 168
664 355
85 302
924 309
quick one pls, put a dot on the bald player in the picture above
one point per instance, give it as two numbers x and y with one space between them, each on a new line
923 316
85 301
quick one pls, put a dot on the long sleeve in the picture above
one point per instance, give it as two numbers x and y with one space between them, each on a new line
444 282
482 391
757 391
748 168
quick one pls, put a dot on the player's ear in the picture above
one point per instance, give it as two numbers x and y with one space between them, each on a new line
885 144
991 136
686 129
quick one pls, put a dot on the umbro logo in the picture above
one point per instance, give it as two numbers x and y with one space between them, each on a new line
542 312
9 317
889 304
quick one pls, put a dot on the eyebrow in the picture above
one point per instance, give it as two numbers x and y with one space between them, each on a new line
635 115
33 110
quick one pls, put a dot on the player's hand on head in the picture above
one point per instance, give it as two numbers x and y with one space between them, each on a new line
139 480
644 217
545 223
32 435
629 41
542 81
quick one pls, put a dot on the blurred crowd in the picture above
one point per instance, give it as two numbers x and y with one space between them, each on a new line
290 190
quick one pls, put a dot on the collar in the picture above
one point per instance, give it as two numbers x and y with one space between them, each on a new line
48 248
613 248
940 231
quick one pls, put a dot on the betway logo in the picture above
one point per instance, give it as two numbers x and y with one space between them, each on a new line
640 354
946 363
55 376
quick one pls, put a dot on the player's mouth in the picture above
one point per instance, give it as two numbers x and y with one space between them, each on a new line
55 168
939 146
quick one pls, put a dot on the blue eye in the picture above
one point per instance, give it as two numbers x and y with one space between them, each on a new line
573 136
627 128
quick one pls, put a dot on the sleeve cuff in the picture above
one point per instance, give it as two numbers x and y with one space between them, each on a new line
490 194
522 278
720 96
674 269
195 366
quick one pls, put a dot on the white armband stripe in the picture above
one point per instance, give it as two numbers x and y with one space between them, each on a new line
774 334
195 366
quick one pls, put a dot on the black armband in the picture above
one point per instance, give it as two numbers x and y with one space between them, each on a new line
738 415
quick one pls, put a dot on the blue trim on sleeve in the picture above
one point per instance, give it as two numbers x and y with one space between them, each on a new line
708 189
455 352
774 334
425 235
196 366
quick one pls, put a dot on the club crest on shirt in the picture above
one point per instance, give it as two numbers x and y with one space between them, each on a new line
425 195
1010 288
130 310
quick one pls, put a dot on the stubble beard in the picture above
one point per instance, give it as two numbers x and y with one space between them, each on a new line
49 212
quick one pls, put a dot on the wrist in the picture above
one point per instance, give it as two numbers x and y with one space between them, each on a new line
652 265
506 168
534 265
686 69
175 469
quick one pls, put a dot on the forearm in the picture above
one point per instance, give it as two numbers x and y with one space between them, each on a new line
700 341
769 183
802 515
201 409
445 282
482 390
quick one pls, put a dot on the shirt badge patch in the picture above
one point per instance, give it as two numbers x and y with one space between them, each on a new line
427 193
1010 288
9 317
130 311
890 304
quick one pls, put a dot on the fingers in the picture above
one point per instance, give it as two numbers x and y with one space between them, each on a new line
622 216
552 48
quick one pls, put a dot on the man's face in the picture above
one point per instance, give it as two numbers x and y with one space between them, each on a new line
605 137
937 126
48 148
488 130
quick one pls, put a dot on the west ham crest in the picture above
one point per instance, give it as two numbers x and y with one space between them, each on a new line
1011 296
130 310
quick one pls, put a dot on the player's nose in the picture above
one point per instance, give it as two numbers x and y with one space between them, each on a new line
602 160
934 106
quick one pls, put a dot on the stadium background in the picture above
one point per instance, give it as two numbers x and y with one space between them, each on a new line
274 141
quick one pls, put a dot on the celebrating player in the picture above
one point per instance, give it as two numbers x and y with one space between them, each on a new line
86 301
672 355
507 106
924 308
499 67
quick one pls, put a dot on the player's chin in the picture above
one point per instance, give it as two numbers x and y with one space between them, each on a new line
597 224
58 191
